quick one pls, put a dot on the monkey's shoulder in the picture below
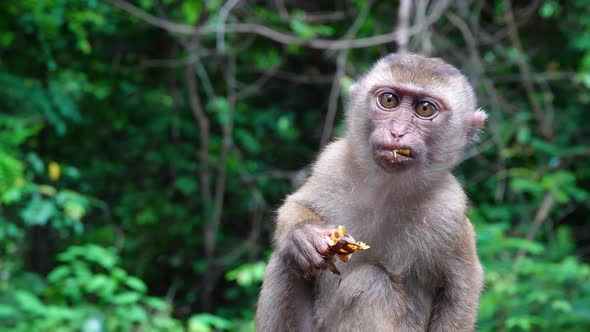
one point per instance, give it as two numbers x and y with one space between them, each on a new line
330 173
335 158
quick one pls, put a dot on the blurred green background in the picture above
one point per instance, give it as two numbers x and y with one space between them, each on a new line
145 145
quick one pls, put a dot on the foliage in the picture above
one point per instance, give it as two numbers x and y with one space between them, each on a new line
86 291
547 290
140 165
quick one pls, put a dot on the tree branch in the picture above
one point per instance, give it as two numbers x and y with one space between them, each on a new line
525 71
203 123
540 217
403 24
277 36
340 72
226 145
227 7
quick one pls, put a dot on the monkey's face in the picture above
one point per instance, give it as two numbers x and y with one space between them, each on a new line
414 113
403 125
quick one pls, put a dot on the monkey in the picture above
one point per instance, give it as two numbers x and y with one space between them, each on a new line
389 181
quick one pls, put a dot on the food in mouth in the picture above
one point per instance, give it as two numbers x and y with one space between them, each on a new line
403 152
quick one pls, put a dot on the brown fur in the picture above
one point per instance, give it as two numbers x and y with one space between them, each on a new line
421 272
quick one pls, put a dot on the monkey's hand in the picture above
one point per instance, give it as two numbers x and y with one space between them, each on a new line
307 249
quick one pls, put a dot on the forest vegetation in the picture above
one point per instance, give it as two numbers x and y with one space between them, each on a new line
145 146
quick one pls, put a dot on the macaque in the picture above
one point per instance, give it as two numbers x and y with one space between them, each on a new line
389 182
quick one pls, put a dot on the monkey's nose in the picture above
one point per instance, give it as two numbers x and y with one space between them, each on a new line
397 134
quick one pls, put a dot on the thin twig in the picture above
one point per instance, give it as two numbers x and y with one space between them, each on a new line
403 25
213 224
520 19
318 17
166 63
466 32
256 87
334 97
226 145
526 72
277 36
176 102
423 37
540 217
223 13
340 72
205 80
203 122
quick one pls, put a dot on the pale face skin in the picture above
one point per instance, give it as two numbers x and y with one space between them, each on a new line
403 120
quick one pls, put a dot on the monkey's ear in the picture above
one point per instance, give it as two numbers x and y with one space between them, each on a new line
478 119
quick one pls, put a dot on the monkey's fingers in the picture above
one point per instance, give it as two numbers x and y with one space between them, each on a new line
324 246
299 253
314 260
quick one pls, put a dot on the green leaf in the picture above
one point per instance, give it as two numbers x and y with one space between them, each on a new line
549 9
528 246
125 298
526 185
156 303
97 283
220 107
207 322
38 211
59 273
267 59
7 311
191 10
247 274
286 128
136 284
302 29
187 185
245 139
136 313
28 301
146 4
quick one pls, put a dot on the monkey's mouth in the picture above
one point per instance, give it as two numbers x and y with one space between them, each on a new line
388 157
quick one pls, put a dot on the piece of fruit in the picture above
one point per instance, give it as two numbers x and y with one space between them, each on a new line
342 245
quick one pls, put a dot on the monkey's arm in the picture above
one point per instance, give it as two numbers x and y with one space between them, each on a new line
293 214
300 244
285 302
455 307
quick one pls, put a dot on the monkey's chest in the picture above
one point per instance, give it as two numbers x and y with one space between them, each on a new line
389 287
371 297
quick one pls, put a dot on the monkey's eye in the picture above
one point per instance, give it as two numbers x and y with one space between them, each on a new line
388 100
425 109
